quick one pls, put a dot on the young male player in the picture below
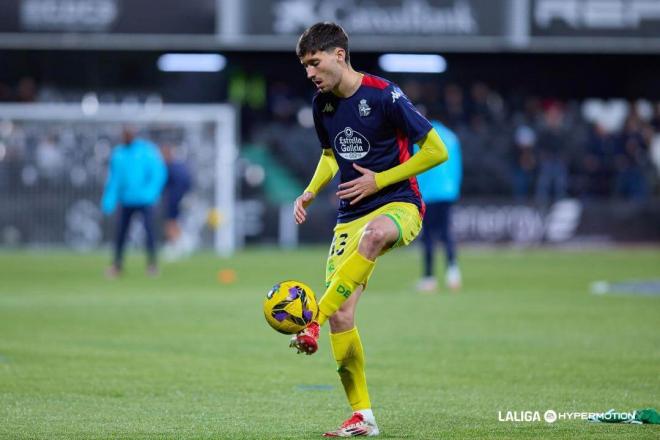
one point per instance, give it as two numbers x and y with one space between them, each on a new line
366 127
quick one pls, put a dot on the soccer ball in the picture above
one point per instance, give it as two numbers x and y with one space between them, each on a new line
290 306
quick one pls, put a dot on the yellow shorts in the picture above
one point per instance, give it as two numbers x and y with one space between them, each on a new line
347 235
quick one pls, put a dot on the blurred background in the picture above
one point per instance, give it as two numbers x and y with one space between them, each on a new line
556 104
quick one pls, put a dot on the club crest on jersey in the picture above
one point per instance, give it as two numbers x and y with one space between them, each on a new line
351 145
364 108
328 108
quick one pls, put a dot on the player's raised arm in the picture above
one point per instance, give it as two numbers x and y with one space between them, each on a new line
432 152
325 171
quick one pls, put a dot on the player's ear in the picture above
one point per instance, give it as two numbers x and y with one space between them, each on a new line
340 54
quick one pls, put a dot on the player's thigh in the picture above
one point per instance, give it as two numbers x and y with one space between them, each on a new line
406 219
403 216
344 242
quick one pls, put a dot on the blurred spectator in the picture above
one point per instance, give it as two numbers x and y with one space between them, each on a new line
598 162
654 148
5 92
655 119
26 91
553 168
524 162
486 103
454 106
414 90
136 176
532 110
631 159
291 144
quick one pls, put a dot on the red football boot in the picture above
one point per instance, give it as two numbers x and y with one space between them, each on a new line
356 426
306 341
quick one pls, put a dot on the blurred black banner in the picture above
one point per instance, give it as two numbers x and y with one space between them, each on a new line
109 16
41 218
403 18
569 220
596 18
502 221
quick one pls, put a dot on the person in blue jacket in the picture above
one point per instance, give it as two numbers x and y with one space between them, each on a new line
440 187
136 176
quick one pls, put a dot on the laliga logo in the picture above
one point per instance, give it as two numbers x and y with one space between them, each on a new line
351 144
550 416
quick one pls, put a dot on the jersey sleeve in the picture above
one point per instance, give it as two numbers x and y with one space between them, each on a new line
403 114
158 173
321 132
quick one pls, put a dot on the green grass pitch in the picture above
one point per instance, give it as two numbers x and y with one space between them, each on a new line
186 357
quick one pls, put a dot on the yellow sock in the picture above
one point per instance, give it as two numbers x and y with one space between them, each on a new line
348 352
354 272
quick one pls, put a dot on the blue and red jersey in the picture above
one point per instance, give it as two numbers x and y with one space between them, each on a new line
376 128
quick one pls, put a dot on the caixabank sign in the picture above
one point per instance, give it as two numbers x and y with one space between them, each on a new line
406 18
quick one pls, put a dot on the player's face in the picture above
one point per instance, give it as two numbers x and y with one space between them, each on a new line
323 69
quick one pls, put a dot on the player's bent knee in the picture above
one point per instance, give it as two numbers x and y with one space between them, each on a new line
374 236
373 241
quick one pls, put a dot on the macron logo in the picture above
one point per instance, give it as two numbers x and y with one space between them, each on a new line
328 108
395 95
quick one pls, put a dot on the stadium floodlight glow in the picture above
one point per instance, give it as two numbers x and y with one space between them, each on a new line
191 62
412 63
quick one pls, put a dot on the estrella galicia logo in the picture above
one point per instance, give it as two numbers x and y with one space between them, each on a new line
351 145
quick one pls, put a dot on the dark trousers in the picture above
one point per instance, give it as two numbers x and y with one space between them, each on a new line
553 174
437 226
125 216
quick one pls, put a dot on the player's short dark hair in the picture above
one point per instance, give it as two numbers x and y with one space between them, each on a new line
322 36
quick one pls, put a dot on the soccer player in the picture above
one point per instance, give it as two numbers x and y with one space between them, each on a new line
178 184
440 187
366 127
136 176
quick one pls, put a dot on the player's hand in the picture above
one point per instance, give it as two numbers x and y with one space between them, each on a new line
300 205
358 189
